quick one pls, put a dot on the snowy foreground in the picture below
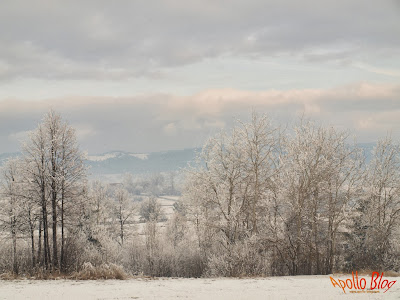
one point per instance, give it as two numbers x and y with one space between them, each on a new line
299 287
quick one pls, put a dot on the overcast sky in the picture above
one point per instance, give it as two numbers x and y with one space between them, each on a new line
146 76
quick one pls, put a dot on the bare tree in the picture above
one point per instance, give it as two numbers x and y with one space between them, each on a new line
150 210
261 142
230 192
124 210
321 175
12 213
35 155
54 172
379 209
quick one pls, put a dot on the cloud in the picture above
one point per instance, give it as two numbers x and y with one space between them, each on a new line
101 40
83 131
19 136
170 129
165 121
388 72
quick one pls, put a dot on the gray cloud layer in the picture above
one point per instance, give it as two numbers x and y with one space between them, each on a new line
121 39
162 122
53 48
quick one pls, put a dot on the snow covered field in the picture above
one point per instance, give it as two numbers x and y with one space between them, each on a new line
299 287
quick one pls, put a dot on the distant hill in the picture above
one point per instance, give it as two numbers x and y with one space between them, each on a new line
119 162
5 156
367 148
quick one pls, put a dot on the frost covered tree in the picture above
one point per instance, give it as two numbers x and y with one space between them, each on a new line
123 210
35 156
216 190
150 210
320 176
100 199
54 173
377 222
288 198
12 218
230 192
261 146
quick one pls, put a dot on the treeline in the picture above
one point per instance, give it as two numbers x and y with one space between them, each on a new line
259 201
268 202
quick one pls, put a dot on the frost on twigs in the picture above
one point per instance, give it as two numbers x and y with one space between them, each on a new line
104 271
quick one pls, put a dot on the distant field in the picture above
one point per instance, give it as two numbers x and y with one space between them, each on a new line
167 202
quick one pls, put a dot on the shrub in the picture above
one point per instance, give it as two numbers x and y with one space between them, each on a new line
104 271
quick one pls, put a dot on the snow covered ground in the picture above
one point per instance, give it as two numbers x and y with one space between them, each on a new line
299 287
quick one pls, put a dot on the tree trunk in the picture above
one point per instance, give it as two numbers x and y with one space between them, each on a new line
121 222
14 243
31 229
54 204
39 252
62 232
46 246
54 223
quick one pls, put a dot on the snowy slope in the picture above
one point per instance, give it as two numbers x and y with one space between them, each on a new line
118 162
296 287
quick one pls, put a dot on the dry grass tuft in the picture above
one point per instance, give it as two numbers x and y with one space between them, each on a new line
88 272
9 276
368 272
391 274
387 273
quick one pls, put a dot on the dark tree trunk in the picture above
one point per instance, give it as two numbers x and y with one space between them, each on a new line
54 223
14 243
62 258
46 246
54 204
31 229
39 252
121 225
